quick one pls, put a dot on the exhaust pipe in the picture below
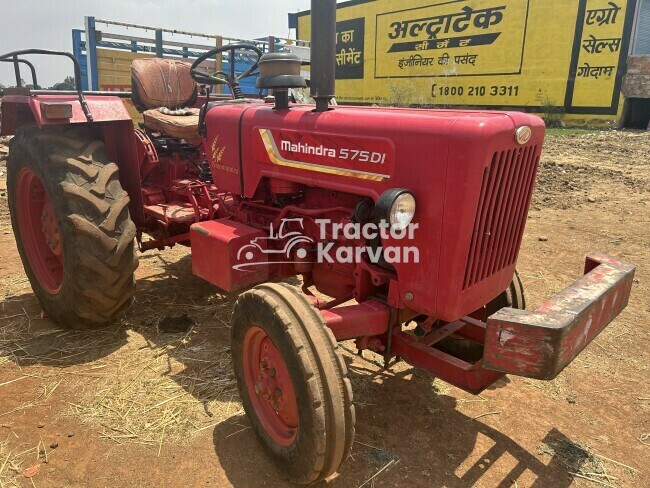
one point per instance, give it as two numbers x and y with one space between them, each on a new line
323 52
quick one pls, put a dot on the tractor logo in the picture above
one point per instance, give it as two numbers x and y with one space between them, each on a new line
283 244
523 135
217 152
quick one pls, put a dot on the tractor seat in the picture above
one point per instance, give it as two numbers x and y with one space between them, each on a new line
178 126
164 92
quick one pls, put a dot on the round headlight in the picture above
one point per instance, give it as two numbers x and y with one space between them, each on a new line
397 207
402 211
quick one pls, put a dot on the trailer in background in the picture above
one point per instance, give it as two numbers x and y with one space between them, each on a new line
105 55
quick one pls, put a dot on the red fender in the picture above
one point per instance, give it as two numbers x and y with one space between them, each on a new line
22 109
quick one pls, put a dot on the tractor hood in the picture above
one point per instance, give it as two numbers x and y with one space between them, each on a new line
471 178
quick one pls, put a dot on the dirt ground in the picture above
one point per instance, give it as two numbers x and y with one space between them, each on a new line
133 405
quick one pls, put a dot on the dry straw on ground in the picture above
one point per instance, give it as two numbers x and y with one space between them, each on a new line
149 394
583 463
131 382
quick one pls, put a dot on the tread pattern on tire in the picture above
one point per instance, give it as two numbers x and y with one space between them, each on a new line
342 381
323 368
92 208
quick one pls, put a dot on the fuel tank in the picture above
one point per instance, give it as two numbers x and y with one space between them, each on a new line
472 174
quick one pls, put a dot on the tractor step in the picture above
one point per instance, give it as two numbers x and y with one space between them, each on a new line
175 212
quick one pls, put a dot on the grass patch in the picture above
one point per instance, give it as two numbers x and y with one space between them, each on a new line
573 131
552 114
404 95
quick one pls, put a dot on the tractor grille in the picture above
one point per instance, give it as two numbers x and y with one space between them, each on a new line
501 214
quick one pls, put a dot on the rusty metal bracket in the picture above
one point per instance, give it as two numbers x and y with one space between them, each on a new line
542 343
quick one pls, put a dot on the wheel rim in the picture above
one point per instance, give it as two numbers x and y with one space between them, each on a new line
39 230
269 387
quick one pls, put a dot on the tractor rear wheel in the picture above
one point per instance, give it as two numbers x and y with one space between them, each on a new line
72 226
293 382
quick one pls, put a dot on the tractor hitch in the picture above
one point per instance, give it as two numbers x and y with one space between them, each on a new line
542 343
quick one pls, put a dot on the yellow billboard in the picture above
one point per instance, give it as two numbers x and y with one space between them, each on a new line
534 55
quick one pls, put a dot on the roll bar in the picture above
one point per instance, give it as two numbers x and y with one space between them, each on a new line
29 65
12 57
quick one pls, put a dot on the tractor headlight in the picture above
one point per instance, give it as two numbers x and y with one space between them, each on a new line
397 207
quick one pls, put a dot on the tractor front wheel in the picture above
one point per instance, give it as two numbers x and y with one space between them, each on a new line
72 226
293 382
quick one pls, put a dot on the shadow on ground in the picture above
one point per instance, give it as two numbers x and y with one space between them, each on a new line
400 416
435 444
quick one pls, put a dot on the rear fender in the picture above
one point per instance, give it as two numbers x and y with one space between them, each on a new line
23 109
122 147
111 119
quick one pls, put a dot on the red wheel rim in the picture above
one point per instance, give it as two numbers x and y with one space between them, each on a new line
269 387
39 230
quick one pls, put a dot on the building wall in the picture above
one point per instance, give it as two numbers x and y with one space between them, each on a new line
637 79
533 55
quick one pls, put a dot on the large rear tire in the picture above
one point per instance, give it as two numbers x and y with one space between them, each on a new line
72 226
293 382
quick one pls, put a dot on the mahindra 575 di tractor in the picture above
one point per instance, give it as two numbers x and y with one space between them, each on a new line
410 221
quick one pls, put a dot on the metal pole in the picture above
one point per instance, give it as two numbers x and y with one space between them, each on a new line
219 62
15 59
272 50
19 82
91 54
323 52
159 43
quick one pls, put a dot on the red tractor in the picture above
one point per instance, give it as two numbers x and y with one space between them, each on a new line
410 221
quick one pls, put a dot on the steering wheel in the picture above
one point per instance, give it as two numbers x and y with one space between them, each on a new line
220 78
